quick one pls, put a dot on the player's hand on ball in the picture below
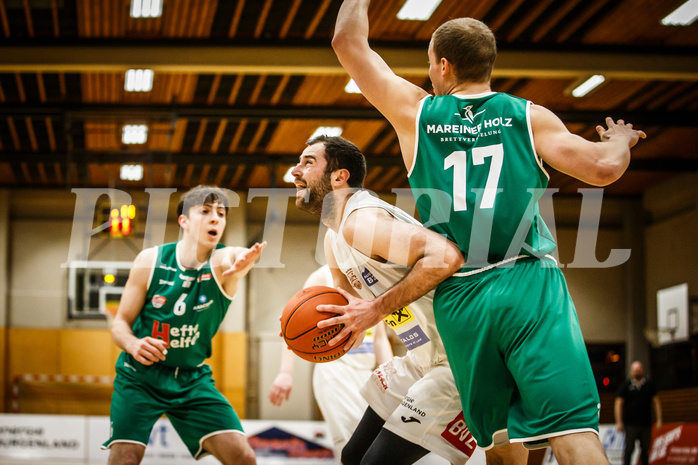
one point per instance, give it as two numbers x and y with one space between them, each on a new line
148 350
357 316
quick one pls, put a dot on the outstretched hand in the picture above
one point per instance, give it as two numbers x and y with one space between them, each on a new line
243 261
357 316
620 129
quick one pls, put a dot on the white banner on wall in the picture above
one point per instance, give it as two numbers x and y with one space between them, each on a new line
78 439
43 436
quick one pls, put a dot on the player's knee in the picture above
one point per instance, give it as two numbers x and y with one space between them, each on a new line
125 457
243 456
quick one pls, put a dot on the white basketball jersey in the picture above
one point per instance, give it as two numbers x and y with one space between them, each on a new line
370 278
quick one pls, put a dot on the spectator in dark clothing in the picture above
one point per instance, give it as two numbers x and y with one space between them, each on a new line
633 412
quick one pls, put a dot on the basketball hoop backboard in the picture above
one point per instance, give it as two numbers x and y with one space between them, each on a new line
672 314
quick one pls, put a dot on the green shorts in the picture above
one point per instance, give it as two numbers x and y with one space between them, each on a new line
517 354
142 394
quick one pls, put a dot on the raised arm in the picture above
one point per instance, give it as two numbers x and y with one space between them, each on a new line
396 98
147 350
596 163
377 234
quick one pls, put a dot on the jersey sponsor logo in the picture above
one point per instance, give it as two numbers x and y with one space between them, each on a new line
468 130
458 434
168 268
165 282
399 318
468 114
175 337
383 373
205 303
351 276
186 280
410 420
158 301
414 338
409 403
368 277
204 277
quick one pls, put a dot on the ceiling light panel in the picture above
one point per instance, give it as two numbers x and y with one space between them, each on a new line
330 131
139 80
417 10
588 85
684 15
146 8
134 134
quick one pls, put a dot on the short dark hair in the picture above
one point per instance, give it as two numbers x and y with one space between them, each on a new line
342 154
469 45
201 195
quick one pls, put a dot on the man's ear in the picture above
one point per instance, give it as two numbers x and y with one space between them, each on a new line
183 220
339 177
446 67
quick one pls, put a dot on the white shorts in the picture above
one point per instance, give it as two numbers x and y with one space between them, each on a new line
337 386
421 405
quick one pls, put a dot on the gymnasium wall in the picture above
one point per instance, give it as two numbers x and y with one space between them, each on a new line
670 239
40 338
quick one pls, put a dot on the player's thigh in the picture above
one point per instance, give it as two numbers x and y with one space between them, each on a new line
126 453
546 354
431 416
468 312
134 411
230 448
390 383
202 413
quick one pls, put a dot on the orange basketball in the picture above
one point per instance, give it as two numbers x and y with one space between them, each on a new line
299 324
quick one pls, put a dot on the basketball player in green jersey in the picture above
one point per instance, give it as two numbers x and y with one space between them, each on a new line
174 301
475 163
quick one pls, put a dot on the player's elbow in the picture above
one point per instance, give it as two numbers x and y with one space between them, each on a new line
340 42
606 172
345 43
453 258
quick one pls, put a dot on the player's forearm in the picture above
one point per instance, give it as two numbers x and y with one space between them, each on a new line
427 273
287 361
122 334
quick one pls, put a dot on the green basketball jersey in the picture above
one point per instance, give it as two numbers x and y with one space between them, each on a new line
184 307
477 178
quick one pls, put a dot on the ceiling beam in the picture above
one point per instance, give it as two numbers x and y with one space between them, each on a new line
532 63
83 158
78 112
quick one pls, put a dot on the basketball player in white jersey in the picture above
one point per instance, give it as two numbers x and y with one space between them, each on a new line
339 379
414 405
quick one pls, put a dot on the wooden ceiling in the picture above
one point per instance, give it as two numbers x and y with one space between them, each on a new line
240 85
